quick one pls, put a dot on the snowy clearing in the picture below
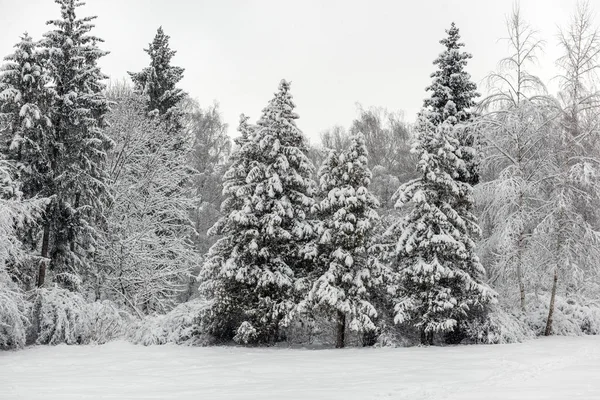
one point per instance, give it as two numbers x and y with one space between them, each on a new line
550 368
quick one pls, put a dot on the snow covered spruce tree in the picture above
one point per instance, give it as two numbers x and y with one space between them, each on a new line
438 275
342 280
77 147
25 133
453 95
145 254
255 272
158 82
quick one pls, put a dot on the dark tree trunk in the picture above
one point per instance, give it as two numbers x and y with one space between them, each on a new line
44 261
341 330
548 331
426 338
72 235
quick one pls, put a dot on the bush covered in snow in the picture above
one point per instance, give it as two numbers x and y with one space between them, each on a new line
107 322
498 327
60 316
572 317
13 310
182 325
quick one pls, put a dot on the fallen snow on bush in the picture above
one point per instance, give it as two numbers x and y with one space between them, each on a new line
548 368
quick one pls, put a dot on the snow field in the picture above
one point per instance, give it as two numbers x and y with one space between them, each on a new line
556 368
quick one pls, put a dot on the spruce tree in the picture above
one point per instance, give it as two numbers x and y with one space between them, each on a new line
439 276
25 132
453 97
158 82
78 145
228 296
253 272
343 281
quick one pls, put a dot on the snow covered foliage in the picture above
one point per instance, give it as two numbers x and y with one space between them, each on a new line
181 325
498 327
452 99
60 316
14 214
158 81
107 321
24 115
25 95
438 275
255 271
571 317
13 313
78 144
145 254
342 278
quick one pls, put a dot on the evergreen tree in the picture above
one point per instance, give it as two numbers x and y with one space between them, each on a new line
343 281
228 296
439 276
158 82
25 132
254 271
78 143
453 97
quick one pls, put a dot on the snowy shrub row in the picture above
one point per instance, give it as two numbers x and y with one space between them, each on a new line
182 325
571 317
61 316
54 316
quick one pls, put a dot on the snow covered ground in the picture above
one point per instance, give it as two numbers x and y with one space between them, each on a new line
554 368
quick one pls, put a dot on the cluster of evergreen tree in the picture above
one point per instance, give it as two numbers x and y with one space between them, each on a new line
290 248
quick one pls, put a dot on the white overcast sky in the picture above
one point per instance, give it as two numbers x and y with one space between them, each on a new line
336 53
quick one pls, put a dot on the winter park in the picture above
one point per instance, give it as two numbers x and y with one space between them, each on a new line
299 200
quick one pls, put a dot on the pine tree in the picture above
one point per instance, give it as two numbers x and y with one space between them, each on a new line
439 276
158 82
453 97
25 132
253 272
78 146
343 281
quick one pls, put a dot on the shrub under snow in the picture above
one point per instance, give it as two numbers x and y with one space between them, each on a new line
107 322
60 316
13 309
498 327
182 325
571 317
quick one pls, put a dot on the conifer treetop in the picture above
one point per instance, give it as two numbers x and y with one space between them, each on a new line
453 93
158 81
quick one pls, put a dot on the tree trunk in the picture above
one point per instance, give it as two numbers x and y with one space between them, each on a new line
426 338
72 235
44 261
341 330
521 287
520 244
548 331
